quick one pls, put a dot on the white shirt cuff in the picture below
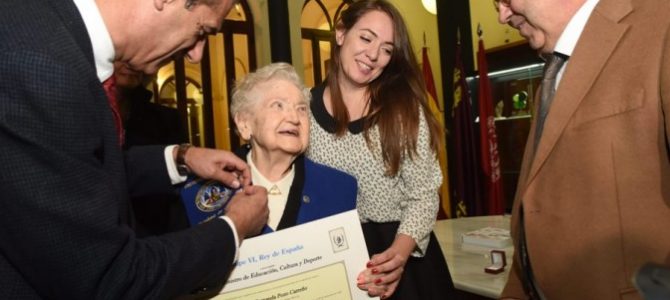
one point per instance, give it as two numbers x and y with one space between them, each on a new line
237 239
175 178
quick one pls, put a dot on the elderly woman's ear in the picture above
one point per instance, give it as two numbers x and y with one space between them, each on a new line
242 121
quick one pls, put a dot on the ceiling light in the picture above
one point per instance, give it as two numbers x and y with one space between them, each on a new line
430 6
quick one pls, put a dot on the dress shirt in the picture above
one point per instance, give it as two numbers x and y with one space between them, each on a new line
103 48
570 36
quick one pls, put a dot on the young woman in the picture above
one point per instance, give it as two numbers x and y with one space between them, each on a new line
371 120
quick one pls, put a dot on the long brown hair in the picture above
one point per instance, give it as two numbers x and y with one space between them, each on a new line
396 96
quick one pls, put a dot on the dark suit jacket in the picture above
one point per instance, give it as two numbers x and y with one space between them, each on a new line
148 123
596 195
64 186
317 191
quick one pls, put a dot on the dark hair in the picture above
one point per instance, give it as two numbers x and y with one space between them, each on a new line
396 96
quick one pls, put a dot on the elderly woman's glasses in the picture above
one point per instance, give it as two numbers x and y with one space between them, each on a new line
498 3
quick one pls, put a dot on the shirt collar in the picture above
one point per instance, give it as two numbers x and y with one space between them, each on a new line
568 40
277 191
103 48
257 178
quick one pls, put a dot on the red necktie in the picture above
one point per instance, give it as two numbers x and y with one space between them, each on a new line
110 90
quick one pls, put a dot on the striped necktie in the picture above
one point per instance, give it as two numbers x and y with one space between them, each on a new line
552 65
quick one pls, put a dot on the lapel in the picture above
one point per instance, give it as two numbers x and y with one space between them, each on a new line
602 34
75 25
294 201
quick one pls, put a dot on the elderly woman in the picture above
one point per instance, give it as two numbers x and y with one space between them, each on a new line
271 111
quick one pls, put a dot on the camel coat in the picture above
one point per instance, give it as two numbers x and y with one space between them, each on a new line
596 194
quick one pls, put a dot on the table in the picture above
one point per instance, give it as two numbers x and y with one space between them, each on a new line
466 262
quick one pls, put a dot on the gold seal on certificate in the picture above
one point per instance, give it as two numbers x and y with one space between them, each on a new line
315 260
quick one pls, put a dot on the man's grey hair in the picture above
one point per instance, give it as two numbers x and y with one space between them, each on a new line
246 95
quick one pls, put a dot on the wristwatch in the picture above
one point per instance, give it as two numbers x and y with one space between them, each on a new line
182 168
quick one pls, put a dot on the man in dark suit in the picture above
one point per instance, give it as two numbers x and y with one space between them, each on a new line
149 123
145 122
593 199
65 222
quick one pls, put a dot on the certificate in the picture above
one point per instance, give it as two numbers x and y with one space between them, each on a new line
315 260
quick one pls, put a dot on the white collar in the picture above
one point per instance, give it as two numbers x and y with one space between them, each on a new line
568 40
258 179
276 202
103 48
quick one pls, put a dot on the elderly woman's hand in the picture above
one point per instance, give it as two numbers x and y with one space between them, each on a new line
384 270
219 165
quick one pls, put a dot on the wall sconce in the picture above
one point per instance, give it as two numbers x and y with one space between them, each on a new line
430 6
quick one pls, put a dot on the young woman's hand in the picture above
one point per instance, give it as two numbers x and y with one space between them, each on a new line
384 270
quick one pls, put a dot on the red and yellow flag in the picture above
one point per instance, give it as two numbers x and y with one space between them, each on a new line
445 199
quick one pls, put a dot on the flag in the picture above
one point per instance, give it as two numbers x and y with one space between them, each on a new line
467 191
490 160
445 199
